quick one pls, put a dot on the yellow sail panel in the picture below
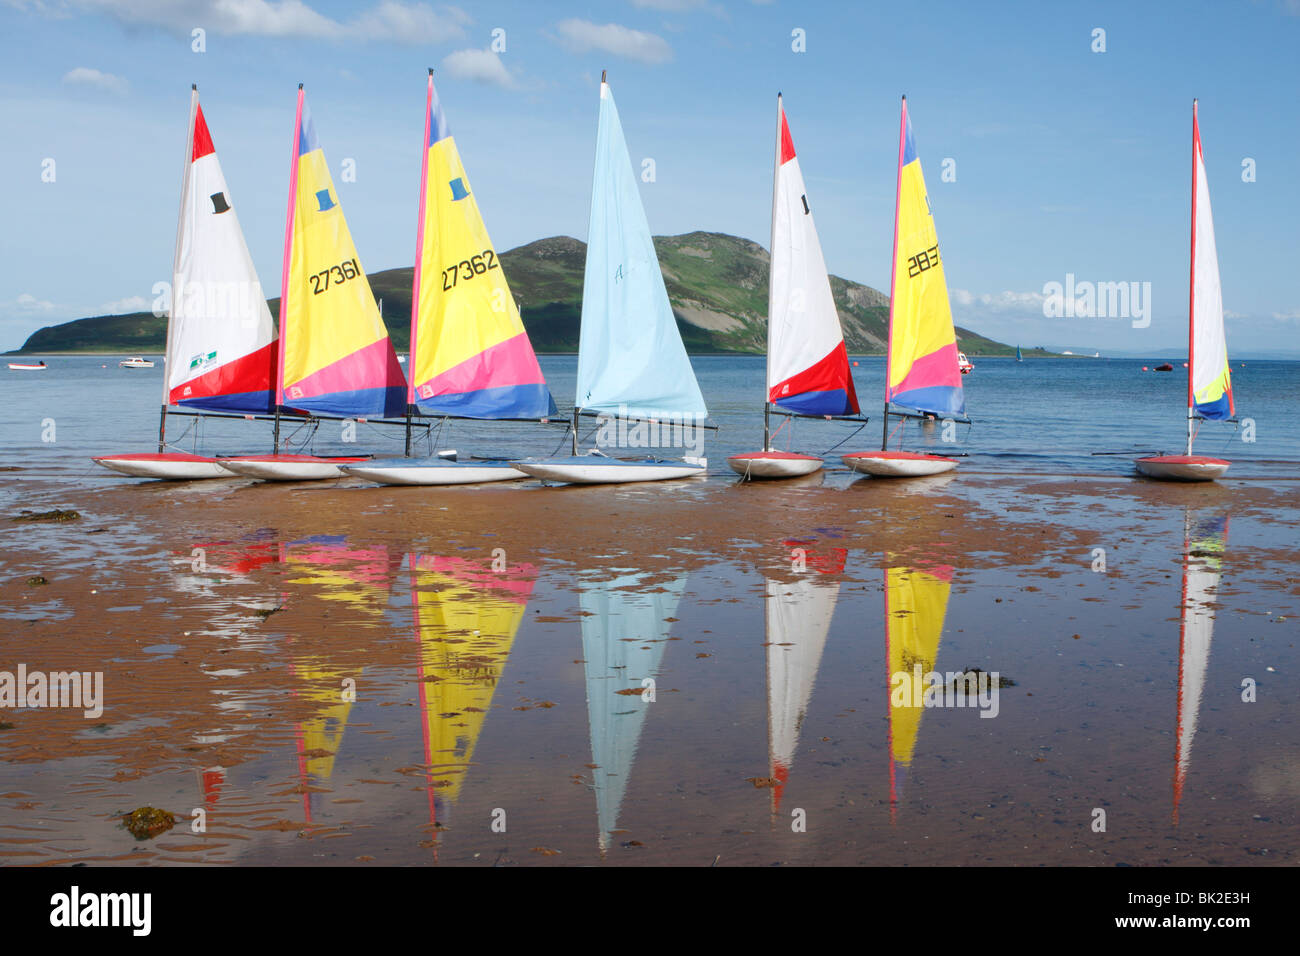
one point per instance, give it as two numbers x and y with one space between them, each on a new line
321 736
472 356
923 370
466 619
338 359
915 603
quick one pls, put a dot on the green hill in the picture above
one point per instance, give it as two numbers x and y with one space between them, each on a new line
717 285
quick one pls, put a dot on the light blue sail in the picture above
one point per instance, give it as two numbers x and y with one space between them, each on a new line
631 360
612 613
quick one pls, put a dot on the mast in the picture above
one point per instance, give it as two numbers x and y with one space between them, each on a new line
284 274
419 256
771 245
1191 291
180 227
893 272
577 408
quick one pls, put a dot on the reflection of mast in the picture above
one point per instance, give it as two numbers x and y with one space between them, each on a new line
465 619
1202 555
623 639
916 601
798 616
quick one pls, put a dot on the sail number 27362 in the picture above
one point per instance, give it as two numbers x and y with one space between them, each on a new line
320 281
471 267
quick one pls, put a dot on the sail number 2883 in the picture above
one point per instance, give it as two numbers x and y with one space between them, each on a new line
338 274
926 259
469 268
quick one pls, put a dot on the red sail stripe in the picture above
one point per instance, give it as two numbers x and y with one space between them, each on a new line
202 138
787 144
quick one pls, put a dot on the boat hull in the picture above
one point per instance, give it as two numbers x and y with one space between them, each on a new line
168 466
599 470
898 464
1182 467
773 464
20 367
432 471
288 467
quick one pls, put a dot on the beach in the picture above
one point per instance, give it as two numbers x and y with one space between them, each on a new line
334 673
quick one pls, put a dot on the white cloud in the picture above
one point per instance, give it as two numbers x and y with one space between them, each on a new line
391 20
29 303
583 35
481 66
1006 301
132 303
85 76
1294 314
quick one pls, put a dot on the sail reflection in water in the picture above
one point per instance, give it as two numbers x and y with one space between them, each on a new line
466 617
624 632
1203 547
916 599
798 617
361 579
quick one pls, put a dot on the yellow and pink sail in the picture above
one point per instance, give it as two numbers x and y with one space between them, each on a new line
336 357
470 355
922 373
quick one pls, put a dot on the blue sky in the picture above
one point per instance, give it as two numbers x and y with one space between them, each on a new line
1067 161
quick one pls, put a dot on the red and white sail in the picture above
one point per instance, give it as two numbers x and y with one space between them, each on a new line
220 338
1209 382
807 364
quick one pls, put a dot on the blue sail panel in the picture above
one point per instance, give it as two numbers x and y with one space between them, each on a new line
631 360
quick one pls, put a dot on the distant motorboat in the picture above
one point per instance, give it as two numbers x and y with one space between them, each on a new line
28 366
1163 368
134 362
964 364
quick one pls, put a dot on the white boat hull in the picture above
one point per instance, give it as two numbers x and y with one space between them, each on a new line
288 467
432 471
898 464
173 466
599 470
1182 467
774 464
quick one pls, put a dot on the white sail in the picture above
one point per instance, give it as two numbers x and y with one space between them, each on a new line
220 337
807 364
1211 383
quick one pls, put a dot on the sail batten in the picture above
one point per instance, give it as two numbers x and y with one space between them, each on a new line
471 356
221 339
923 372
631 359
807 362
337 357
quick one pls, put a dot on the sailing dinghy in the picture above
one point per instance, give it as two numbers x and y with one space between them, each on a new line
221 341
335 359
922 376
631 360
807 364
1209 383
471 355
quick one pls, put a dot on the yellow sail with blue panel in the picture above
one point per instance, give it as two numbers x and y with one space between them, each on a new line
337 357
471 357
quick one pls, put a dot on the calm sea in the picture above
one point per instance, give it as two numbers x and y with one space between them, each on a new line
1046 416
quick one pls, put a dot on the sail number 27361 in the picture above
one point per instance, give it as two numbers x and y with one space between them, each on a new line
471 267
320 281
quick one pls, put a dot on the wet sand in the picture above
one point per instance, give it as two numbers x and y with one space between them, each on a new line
233 621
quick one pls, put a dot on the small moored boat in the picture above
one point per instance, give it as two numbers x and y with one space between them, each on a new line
432 471
966 366
166 466
1209 382
288 467
28 366
135 361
